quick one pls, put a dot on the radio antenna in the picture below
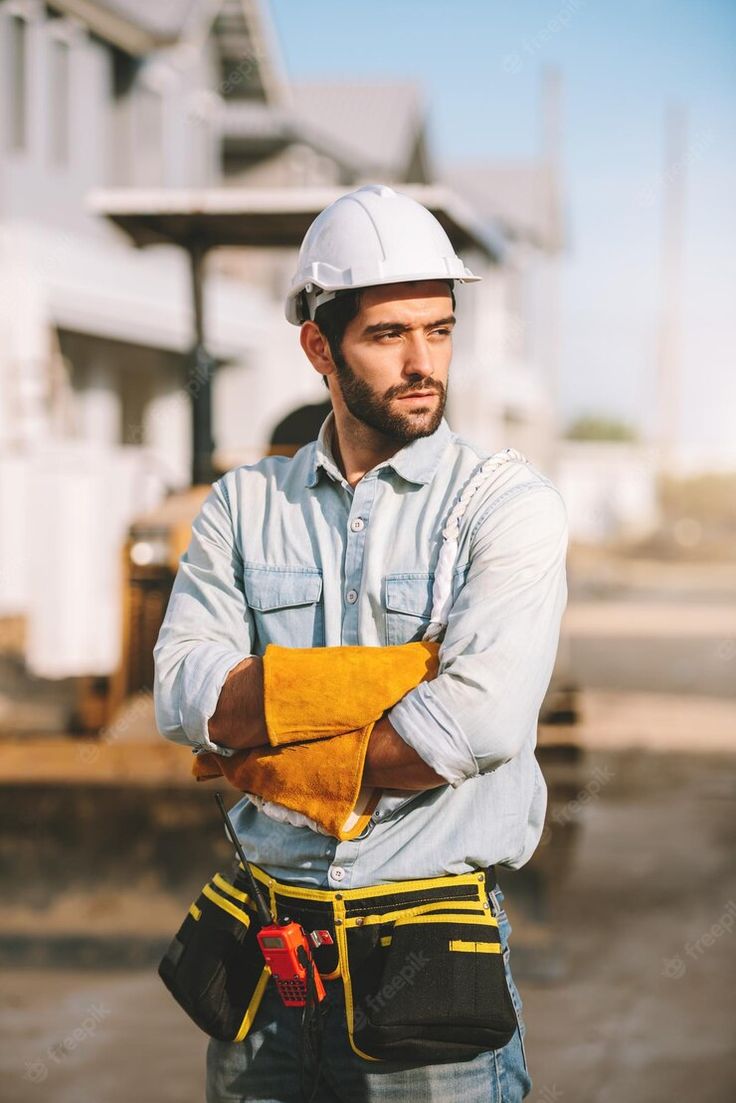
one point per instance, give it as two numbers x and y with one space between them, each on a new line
255 890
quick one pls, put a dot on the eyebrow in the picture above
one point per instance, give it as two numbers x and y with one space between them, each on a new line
402 327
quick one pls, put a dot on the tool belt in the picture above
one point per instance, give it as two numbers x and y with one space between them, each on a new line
421 963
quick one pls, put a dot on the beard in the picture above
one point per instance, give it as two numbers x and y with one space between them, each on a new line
374 410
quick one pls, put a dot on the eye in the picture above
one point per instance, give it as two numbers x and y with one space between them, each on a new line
387 336
444 331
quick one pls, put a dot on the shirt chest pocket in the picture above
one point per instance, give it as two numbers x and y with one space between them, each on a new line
408 606
286 605
408 603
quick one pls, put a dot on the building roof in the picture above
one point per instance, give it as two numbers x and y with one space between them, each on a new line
241 30
376 124
261 128
253 123
520 196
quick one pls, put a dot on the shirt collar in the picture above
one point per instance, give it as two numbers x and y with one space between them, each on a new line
416 462
322 456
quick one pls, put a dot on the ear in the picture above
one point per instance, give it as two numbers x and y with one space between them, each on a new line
316 348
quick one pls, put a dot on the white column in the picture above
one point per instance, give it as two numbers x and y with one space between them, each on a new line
167 434
99 405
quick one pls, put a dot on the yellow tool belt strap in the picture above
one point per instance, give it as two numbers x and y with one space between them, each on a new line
342 910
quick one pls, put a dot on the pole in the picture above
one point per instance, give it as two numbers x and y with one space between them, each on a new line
551 198
670 324
199 383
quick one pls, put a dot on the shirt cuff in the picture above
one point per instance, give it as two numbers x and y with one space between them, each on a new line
205 671
425 725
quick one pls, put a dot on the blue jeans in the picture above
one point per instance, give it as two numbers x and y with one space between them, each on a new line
265 1066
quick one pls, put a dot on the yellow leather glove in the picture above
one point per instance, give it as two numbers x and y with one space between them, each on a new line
321 779
321 705
315 692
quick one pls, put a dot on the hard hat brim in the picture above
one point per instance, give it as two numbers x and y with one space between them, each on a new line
291 311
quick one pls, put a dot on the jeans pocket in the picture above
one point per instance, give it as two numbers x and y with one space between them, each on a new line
513 990
516 1001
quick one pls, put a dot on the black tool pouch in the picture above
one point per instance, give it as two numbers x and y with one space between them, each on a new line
214 967
428 988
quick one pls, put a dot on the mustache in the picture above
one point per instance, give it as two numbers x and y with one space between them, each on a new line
436 389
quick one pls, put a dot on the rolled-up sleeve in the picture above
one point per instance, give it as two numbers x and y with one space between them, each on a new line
207 629
500 645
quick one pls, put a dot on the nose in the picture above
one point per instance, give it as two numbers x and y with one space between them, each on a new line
418 358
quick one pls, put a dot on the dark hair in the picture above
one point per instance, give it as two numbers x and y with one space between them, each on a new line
334 317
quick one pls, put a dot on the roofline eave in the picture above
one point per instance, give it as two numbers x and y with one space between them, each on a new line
177 216
112 27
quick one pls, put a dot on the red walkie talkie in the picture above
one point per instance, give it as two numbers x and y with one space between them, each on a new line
284 944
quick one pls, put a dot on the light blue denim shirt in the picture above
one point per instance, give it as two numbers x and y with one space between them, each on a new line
285 551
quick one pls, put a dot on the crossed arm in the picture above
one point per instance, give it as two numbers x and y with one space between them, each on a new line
239 722
496 658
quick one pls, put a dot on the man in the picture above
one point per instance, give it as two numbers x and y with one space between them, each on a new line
338 546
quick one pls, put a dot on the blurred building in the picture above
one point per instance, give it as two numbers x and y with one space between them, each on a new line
610 489
95 335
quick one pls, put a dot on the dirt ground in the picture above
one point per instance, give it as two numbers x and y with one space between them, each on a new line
647 921
644 922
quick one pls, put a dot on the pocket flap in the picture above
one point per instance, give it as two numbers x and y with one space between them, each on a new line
274 589
406 594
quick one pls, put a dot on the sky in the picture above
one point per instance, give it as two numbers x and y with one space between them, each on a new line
479 63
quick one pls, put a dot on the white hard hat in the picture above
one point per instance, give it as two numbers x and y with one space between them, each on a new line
371 236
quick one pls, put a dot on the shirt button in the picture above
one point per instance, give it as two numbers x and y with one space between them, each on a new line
337 873
352 596
357 524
